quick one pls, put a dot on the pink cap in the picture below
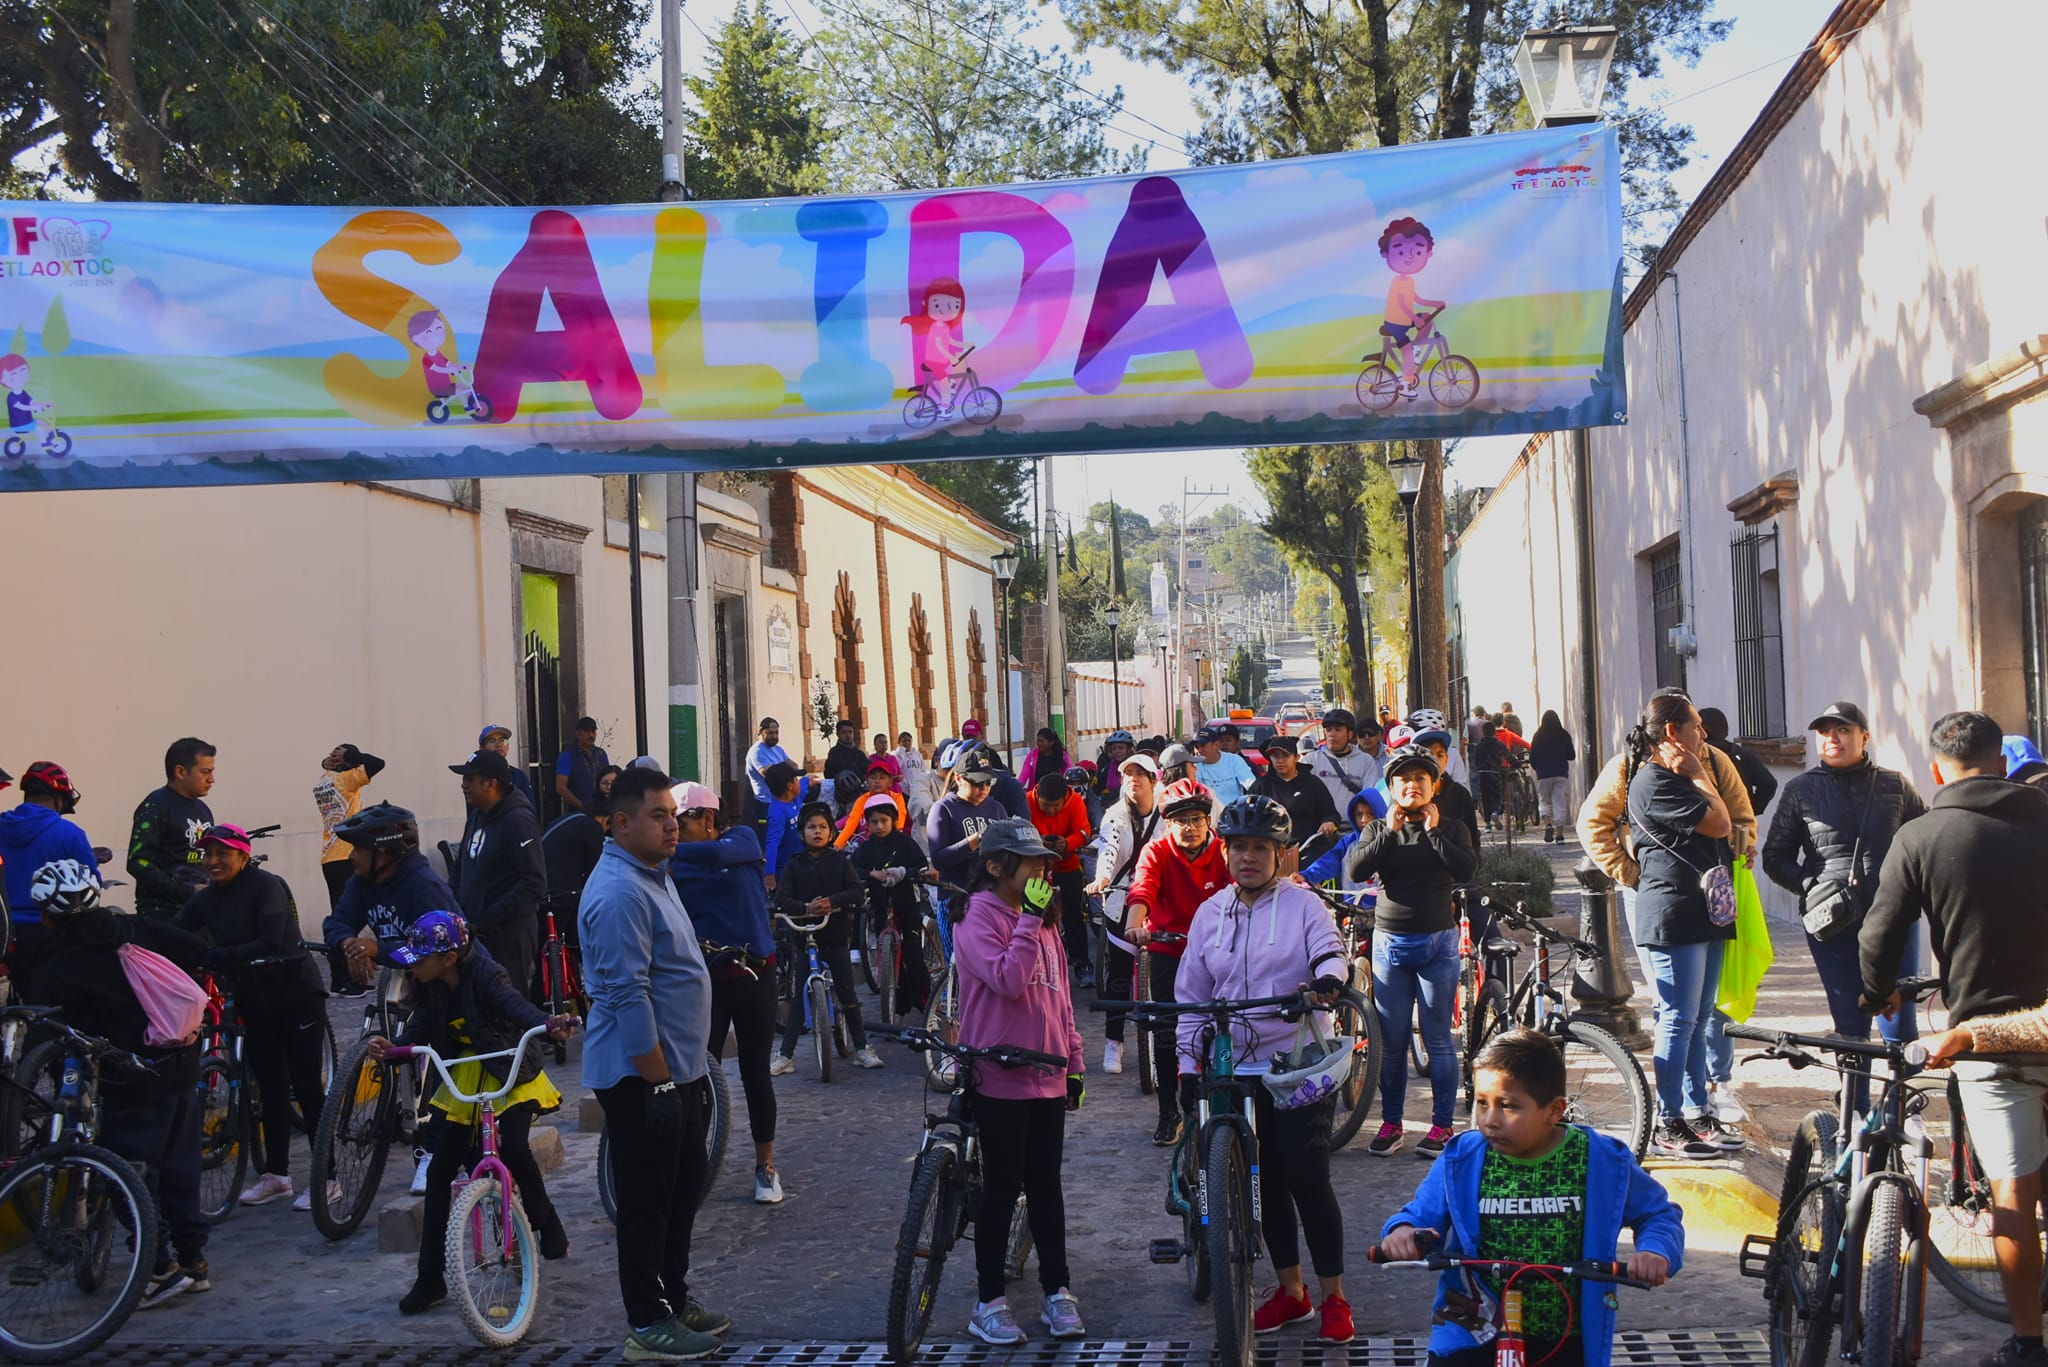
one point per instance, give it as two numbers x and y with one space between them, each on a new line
692 796
970 729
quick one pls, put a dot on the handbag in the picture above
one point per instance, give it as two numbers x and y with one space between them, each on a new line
1715 882
1829 906
172 1004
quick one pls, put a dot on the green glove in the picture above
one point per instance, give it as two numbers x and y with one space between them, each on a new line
1038 899
1075 1091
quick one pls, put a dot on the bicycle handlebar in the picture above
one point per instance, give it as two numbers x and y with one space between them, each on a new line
1292 1005
1585 1269
1798 1049
1005 1055
802 925
443 1065
1916 1054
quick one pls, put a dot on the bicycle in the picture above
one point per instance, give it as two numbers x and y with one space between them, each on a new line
474 404
1518 806
978 403
1471 979
828 1026
1218 1159
942 1017
561 969
1605 1089
489 1238
370 1104
81 1230
945 1189
1851 1245
56 441
883 943
1453 380
1357 1017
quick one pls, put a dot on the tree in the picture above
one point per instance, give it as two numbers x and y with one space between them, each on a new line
995 489
754 133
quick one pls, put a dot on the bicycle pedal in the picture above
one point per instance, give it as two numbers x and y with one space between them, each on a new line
1167 1250
1758 1257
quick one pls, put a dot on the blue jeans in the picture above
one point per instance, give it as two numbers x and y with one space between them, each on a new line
1405 968
1841 978
1720 1050
1686 979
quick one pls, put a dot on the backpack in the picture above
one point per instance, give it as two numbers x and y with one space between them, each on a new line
172 1002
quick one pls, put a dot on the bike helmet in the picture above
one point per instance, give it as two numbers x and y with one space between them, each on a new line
1256 816
64 887
1313 1069
1428 719
1080 776
436 932
1119 736
381 826
43 777
1184 795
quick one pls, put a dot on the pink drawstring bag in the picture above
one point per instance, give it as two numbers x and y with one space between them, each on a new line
173 1003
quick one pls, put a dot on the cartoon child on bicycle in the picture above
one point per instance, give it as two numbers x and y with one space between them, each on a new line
937 340
1406 245
446 379
26 414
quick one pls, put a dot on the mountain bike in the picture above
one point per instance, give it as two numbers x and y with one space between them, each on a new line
945 1189
370 1104
1605 1088
1504 1308
1519 809
942 1017
561 968
80 1230
1356 1017
977 403
884 944
1141 990
494 1259
1453 380
828 1026
1471 978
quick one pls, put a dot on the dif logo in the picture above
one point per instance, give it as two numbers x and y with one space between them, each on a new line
57 246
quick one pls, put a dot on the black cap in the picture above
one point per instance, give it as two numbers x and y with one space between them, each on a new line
1413 757
1840 711
1279 742
1012 835
1340 716
978 774
1227 731
767 722
586 723
485 764
1208 735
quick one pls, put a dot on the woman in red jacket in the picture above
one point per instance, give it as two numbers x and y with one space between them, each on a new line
1174 877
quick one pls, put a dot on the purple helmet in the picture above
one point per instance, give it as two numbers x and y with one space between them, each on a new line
436 932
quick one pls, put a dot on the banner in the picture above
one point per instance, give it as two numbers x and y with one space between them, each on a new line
1442 290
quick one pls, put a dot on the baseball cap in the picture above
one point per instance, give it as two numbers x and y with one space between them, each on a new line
1288 744
1175 754
1227 731
492 729
978 773
221 833
1207 735
1843 712
1140 760
1398 736
2020 751
692 796
1433 737
1413 757
485 764
1340 716
970 729
767 722
1012 835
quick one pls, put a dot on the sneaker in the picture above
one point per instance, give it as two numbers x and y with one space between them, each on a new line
304 1200
700 1320
991 1323
767 1186
424 1296
1062 1315
1432 1144
196 1276
1387 1141
1281 1310
1726 1138
782 1063
866 1057
172 1284
1673 1138
1085 978
669 1341
271 1186
1725 1106
1113 1057
1336 1321
2013 1353
1168 1133
421 1159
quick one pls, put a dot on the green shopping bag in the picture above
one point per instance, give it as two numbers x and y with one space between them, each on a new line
1746 958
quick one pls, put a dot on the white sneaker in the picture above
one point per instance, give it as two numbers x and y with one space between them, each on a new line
1725 1106
1112 1057
269 1187
767 1186
780 1064
419 1173
305 1198
992 1323
865 1057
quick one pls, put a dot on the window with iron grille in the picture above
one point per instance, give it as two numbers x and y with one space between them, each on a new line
1667 610
1759 632
2034 616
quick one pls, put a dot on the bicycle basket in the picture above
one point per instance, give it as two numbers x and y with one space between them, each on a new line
1313 1069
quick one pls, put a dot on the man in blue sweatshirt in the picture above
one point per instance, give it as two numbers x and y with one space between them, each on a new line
35 834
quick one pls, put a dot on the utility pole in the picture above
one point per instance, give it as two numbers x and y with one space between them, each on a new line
1055 629
683 746
1183 692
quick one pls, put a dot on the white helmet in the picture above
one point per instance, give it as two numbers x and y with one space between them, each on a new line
64 887
1428 719
1314 1068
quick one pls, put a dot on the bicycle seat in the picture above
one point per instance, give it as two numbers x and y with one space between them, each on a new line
1391 330
1500 947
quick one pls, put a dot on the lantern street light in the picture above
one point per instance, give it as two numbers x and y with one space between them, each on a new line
1564 72
1407 472
1006 570
1113 614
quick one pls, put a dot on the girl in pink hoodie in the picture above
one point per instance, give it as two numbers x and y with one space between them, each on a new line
1013 990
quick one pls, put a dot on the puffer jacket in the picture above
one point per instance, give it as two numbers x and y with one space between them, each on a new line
1814 830
1603 817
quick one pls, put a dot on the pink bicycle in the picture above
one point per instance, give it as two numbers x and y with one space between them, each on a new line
493 1257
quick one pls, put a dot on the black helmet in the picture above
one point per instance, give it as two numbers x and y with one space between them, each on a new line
381 827
1259 816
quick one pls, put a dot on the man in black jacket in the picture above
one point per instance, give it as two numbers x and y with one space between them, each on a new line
1756 775
1972 867
163 848
500 875
1305 796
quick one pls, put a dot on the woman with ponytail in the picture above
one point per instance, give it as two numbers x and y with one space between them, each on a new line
1680 826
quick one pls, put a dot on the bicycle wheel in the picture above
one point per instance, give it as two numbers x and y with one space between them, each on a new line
1148 1081
1959 1204
842 1033
354 1139
223 1132
1453 381
869 952
1378 387
981 405
326 1073
1488 1017
887 946
1356 1016
1227 1228
493 1263
1017 1250
921 1247
1195 1248
821 1027
942 1018
1604 1086
26 1106
1809 1224
919 410
719 1130
1884 1277
78 1237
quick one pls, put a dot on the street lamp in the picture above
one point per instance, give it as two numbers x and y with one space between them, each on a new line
1407 472
1114 614
1006 570
1564 72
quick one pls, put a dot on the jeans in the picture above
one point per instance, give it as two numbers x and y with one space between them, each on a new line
1841 978
838 961
455 1147
1294 1181
155 1126
657 1189
1405 967
746 1006
1022 1143
1686 979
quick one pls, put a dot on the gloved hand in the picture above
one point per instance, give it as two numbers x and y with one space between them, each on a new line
892 876
1076 1090
665 1115
1190 1094
1038 900
1326 988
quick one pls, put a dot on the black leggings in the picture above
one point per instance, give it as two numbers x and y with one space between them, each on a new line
1294 1176
455 1146
746 1006
1115 980
285 1048
1021 1147
1164 969
839 963
1070 887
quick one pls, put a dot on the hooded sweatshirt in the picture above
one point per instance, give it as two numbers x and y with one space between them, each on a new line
502 874
1972 867
1170 886
827 871
1282 940
949 826
720 882
30 837
1373 803
389 908
1013 990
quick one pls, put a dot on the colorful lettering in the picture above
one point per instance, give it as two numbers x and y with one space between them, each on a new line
26 231
399 398
686 385
1159 233
587 349
846 375
1044 289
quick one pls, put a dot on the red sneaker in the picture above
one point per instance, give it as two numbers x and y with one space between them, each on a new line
1336 1320
1282 1309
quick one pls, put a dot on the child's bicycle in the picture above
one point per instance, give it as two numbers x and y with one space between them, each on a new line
945 1189
1503 1312
829 1028
56 442
493 1257
930 401
473 403
1453 380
